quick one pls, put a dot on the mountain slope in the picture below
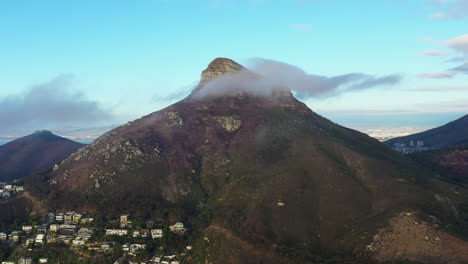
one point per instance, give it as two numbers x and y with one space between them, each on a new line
262 176
451 163
449 135
33 153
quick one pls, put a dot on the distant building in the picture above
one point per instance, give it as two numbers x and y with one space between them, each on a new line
25 261
145 232
6 195
156 233
124 221
177 228
87 220
116 232
77 218
27 228
54 228
39 239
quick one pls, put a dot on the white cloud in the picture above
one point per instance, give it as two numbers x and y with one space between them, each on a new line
459 43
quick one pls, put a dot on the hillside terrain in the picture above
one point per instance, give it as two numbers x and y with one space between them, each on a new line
260 178
33 153
451 163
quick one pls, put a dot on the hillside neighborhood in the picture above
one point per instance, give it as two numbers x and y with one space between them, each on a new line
81 235
8 190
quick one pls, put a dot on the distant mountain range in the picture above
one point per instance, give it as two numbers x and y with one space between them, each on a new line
261 178
449 135
33 153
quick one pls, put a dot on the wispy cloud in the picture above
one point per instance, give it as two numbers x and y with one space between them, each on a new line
51 104
438 88
428 39
174 95
449 9
305 27
436 75
432 52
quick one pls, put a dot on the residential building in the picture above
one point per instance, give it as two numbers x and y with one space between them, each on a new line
116 232
27 228
25 261
39 239
156 233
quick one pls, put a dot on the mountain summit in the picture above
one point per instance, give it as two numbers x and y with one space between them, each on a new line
220 67
256 178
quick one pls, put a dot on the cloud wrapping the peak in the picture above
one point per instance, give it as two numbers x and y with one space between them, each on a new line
264 76
51 104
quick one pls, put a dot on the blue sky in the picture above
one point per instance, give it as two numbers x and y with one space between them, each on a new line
107 62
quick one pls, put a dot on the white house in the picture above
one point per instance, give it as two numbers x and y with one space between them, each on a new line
156 233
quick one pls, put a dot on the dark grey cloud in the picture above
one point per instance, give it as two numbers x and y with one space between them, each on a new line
460 45
462 68
51 104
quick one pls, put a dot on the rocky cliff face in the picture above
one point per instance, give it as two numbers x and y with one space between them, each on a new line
263 179
220 67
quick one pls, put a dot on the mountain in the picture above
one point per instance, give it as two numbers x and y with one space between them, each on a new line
258 177
449 135
33 153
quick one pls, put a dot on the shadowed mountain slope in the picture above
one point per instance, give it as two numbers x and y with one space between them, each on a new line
33 153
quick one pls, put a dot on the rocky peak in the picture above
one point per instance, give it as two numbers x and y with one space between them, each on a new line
220 67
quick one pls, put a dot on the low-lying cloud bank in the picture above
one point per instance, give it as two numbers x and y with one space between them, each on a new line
265 76
51 104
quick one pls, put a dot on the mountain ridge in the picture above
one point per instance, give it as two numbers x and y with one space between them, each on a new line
449 135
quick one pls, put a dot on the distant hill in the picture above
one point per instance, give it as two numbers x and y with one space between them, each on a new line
33 153
449 135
